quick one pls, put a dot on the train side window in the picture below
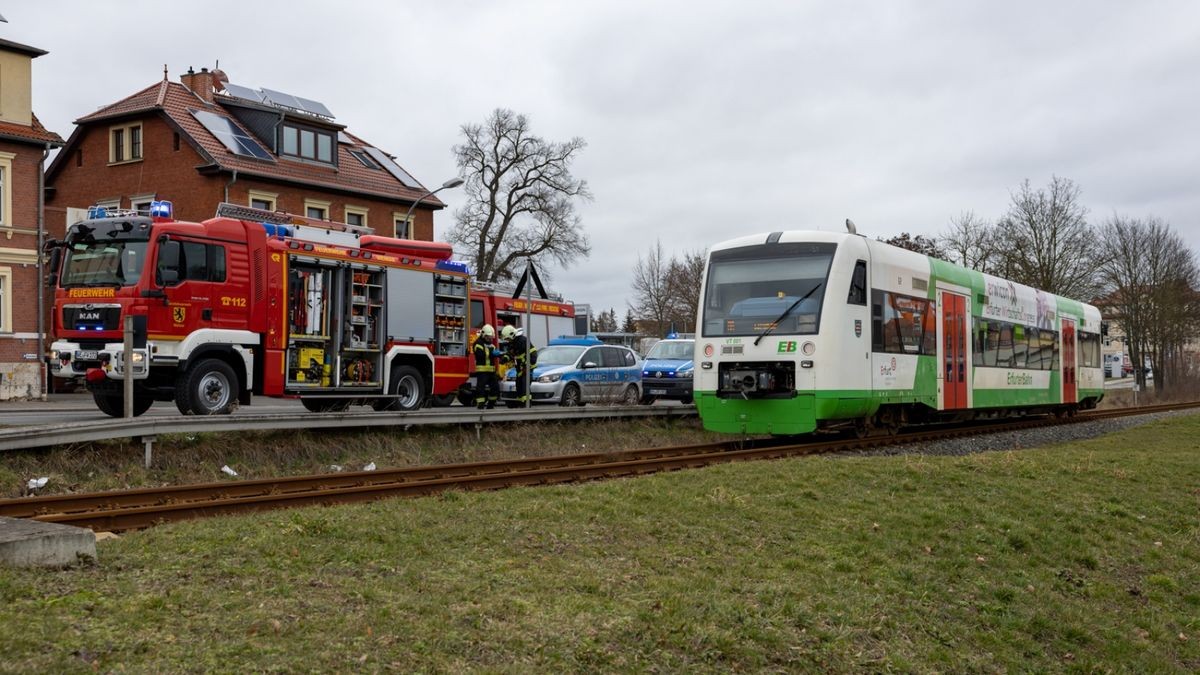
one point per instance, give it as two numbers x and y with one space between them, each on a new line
991 349
858 284
877 321
1020 347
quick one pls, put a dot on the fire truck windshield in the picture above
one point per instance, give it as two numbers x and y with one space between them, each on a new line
103 263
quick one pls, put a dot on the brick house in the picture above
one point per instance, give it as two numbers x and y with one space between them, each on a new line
202 141
24 143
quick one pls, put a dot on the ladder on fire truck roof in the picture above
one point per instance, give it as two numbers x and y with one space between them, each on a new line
228 210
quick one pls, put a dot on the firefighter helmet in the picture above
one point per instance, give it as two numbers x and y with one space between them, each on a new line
507 333
487 330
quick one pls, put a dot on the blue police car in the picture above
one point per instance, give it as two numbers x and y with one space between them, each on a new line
574 371
667 371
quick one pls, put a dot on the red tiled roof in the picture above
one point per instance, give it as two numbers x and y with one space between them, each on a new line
34 132
177 101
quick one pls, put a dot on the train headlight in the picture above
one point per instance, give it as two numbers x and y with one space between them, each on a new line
808 348
708 350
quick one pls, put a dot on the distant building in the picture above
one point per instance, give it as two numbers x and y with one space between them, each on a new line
24 143
203 140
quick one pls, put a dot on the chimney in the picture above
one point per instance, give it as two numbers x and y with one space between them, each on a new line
200 83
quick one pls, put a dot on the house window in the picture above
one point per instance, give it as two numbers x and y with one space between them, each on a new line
6 160
314 208
263 200
125 143
365 159
307 144
356 215
141 203
403 226
6 300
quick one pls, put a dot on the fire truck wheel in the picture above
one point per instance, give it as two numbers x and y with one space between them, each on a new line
114 406
408 389
207 388
444 401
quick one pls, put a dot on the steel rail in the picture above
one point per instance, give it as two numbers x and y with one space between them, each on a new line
135 509
39 436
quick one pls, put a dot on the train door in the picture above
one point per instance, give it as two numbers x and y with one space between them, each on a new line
1068 361
955 329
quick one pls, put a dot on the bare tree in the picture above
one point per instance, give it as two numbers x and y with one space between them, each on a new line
1150 276
1044 240
970 241
920 243
685 276
653 299
521 197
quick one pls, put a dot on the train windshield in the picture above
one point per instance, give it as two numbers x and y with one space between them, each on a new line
103 263
749 288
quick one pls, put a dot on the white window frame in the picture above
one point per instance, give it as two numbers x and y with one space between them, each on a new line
317 204
6 300
358 210
272 197
399 220
6 172
126 143
146 199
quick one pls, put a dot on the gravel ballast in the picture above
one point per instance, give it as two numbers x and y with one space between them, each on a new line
1018 438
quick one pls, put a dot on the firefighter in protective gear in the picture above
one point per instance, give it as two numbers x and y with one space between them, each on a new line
516 348
487 384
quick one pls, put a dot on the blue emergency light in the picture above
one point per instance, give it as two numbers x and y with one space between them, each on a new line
97 212
453 266
161 209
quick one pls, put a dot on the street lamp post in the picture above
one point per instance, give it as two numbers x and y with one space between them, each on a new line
452 183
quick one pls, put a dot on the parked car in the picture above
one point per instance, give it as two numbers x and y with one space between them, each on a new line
574 371
667 371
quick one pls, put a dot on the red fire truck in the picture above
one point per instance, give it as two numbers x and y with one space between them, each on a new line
257 302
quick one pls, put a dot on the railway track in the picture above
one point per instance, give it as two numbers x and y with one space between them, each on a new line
141 508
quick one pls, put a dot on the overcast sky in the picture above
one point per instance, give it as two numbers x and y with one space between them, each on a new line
704 120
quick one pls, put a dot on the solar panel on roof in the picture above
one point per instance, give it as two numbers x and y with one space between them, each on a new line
343 138
231 135
392 167
238 91
314 107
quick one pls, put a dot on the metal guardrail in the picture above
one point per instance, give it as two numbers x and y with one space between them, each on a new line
147 428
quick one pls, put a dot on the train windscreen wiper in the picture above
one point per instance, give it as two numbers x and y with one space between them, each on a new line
783 316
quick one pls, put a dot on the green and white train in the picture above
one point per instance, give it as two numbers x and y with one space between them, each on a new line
803 331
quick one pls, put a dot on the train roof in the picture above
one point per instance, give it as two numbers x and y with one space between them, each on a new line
987 285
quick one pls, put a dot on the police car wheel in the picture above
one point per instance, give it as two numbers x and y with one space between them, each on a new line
571 396
630 397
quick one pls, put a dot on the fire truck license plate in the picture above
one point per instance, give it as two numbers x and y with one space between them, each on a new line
86 355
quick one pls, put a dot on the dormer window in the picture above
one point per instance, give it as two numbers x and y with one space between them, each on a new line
306 143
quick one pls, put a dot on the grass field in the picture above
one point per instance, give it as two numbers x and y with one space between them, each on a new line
1080 557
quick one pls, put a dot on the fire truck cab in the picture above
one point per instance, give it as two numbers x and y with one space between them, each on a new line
256 302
